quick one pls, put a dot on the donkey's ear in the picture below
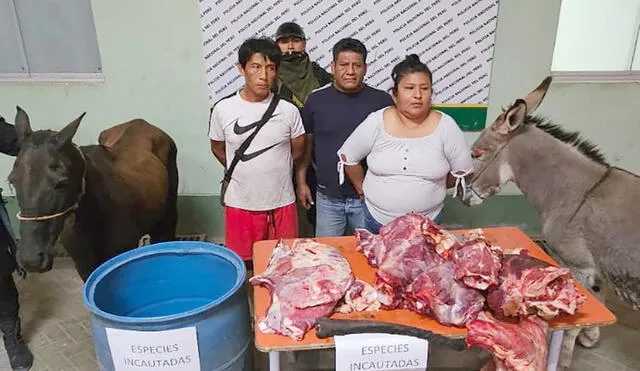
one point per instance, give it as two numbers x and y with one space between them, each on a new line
534 98
514 118
66 134
22 124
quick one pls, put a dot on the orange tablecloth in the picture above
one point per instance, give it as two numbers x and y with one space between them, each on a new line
592 313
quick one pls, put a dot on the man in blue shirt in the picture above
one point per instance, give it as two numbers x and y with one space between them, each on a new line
330 115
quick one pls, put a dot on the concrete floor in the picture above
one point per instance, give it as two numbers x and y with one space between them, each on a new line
57 329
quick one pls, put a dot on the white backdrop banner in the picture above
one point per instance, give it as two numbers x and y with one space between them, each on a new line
455 38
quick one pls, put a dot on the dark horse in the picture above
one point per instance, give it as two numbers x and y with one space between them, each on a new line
98 200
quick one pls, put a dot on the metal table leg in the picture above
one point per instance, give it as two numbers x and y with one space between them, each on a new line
555 346
274 361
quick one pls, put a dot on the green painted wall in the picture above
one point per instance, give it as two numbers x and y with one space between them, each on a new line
470 118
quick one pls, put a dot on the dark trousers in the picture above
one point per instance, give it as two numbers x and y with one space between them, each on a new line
8 291
20 357
9 306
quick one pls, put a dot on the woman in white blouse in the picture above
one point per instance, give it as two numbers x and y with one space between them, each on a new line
412 151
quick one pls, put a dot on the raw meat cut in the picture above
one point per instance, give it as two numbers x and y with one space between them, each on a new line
360 297
305 281
415 226
435 292
405 227
442 240
474 234
519 346
403 262
400 253
410 254
517 263
424 268
531 286
370 245
477 264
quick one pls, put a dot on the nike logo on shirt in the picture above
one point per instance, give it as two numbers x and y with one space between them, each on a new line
243 129
249 156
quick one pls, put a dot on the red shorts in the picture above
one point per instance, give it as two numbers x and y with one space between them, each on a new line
244 227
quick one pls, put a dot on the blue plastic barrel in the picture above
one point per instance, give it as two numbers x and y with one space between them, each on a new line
171 306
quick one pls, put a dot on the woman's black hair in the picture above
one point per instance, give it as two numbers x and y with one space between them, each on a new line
409 65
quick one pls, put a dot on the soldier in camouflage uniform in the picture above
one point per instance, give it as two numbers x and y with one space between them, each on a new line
297 77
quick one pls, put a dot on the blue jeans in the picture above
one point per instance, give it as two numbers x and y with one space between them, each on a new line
373 226
337 216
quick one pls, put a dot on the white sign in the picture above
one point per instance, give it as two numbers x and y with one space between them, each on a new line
455 38
377 352
169 350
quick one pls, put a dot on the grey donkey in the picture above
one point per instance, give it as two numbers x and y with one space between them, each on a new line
589 210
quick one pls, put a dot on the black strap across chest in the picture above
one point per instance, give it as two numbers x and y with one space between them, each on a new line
239 153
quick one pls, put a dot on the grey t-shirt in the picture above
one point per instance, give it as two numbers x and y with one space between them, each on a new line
406 174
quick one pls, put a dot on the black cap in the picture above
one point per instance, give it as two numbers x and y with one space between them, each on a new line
289 29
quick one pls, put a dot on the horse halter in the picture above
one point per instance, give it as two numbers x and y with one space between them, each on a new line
468 187
498 150
70 208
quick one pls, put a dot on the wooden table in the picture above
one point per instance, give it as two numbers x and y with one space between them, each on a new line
592 313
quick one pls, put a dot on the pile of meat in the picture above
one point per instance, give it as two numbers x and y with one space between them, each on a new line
305 281
499 296
502 297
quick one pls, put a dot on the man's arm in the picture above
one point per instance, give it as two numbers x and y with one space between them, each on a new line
301 152
8 138
298 150
218 148
355 174
216 137
307 121
302 165
305 160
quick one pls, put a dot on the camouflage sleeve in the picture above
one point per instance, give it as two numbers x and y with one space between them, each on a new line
8 138
322 75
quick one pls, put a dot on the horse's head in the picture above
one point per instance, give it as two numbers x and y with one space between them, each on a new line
490 150
48 177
